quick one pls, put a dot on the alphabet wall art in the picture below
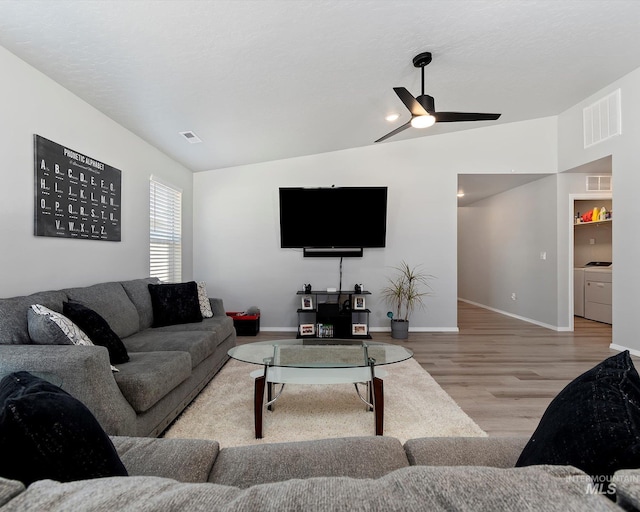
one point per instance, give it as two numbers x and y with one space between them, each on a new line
76 196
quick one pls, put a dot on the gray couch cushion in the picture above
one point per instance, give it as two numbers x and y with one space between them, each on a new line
199 344
9 489
626 485
132 494
111 302
138 292
149 376
221 325
185 460
414 488
499 452
13 315
358 457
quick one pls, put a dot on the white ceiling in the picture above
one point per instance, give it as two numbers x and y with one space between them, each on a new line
261 80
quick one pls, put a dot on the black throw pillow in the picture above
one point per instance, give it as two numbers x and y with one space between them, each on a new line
45 433
98 330
593 424
175 303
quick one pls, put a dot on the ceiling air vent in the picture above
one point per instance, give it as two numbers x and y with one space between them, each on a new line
599 183
602 120
191 137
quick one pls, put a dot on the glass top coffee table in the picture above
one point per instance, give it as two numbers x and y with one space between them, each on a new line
319 361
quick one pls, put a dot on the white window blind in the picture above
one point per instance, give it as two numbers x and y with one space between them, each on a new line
165 241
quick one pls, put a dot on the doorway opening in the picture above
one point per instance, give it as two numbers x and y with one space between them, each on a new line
591 256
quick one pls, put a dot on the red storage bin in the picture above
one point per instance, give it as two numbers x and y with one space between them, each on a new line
246 325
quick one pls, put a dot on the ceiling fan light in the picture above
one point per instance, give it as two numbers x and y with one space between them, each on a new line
423 121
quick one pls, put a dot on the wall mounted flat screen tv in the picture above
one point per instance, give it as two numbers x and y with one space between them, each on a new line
337 217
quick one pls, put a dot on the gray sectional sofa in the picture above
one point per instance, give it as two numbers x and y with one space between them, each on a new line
350 474
168 365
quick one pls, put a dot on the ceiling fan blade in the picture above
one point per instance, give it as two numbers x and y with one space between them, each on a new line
410 102
453 117
394 132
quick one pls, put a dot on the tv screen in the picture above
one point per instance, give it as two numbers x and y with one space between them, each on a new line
339 217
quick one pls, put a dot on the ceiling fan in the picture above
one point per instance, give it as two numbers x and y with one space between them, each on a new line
422 108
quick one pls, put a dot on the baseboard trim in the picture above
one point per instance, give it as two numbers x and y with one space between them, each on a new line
431 329
372 329
417 329
517 317
620 348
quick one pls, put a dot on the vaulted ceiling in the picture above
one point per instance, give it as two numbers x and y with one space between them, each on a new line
261 80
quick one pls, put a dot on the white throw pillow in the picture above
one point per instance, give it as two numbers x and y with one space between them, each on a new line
75 335
203 298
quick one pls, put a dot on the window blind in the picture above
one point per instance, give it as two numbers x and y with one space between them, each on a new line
165 241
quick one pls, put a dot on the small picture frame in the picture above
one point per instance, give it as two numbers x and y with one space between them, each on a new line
359 329
358 302
307 329
307 302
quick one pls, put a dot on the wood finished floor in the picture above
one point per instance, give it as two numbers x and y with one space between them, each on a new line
501 371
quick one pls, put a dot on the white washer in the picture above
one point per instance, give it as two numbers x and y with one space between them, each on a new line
579 284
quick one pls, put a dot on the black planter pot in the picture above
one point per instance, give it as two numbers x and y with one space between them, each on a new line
399 329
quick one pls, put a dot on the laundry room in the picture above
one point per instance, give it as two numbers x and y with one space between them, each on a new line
593 259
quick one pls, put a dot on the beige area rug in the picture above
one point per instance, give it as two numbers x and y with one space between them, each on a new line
414 406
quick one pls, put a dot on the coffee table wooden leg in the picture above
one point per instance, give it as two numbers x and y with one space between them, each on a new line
258 404
378 402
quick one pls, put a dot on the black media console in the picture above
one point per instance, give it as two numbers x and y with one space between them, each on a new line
340 314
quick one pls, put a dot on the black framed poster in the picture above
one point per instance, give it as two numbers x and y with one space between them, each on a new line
76 196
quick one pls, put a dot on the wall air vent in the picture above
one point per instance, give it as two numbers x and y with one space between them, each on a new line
599 183
602 119
191 137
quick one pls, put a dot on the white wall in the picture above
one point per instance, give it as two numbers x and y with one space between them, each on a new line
626 184
236 227
500 241
32 104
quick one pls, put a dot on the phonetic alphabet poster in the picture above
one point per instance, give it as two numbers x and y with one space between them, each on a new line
76 196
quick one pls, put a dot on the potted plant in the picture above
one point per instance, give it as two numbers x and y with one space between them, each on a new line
404 292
